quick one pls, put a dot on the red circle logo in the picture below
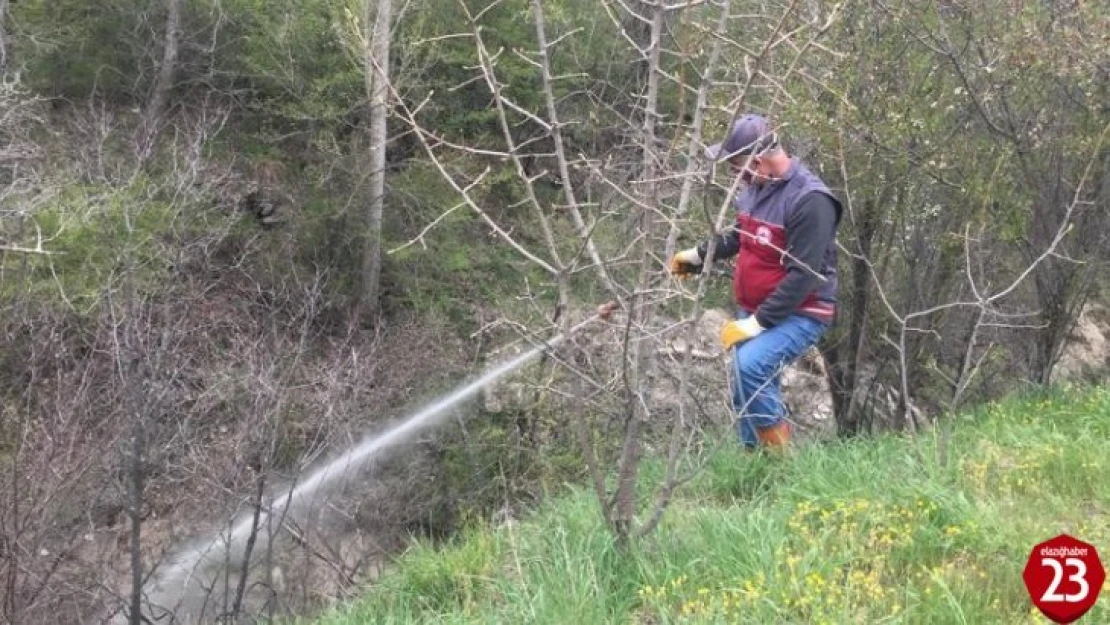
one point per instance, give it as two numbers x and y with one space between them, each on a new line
1064 576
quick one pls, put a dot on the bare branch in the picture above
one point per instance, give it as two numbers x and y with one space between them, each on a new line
422 136
560 150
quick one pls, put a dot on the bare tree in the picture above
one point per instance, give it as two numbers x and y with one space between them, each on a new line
623 386
139 350
3 36
377 23
158 103
640 360
910 213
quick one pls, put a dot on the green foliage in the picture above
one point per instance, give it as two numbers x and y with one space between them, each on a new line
459 261
98 236
438 43
468 114
861 531
297 59
457 579
69 48
518 455
929 134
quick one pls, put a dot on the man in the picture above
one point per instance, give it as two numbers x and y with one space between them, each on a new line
785 279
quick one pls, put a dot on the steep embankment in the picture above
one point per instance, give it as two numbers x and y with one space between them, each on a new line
873 530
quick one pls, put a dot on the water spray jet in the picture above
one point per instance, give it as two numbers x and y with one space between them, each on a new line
182 585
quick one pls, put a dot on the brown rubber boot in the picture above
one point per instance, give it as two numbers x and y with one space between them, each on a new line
777 436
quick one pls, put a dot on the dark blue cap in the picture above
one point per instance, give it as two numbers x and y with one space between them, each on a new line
750 134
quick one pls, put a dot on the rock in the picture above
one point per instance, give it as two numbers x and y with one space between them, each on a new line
105 513
1086 352
808 396
709 326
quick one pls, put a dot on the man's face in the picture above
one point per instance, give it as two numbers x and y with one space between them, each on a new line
749 168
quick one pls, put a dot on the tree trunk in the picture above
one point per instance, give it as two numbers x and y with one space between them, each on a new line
377 90
643 359
3 36
845 369
160 97
1055 279
135 516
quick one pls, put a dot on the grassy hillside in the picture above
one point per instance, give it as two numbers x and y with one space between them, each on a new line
875 531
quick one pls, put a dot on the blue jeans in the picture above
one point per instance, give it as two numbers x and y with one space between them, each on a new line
757 365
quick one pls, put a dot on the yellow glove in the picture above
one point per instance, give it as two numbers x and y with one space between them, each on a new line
740 330
685 263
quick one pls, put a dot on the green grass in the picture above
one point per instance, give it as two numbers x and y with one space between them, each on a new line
864 531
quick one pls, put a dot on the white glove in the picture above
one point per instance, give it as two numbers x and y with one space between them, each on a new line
685 263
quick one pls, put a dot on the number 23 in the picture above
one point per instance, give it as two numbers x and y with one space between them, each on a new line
1080 577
